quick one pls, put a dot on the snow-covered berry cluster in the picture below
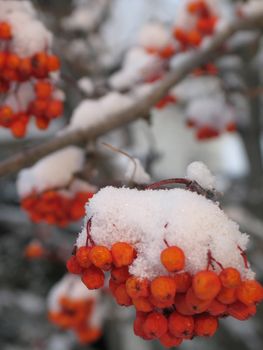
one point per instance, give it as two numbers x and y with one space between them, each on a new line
49 193
173 254
72 306
27 82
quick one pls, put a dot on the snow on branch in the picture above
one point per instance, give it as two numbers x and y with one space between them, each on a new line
141 103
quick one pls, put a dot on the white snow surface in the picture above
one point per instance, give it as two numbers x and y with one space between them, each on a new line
71 286
199 172
34 37
252 7
154 35
145 218
55 170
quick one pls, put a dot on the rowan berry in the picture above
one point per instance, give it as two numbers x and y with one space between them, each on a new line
24 69
42 123
216 308
112 285
163 288
12 61
183 282
205 326
143 304
40 65
173 259
122 296
206 285
122 254
168 341
54 109
181 326
137 287
73 266
43 89
138 325
161 304
100 256
241 311
181 305
18 128
82 256
194 38
3 57
155 325
120 274
250 292
93 277
195 304
5 31
34 250
6 115
53 63
227 295
230 277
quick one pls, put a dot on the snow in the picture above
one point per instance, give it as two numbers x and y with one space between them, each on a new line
154 35
252 7
199 172
55 170
183 218
137 66
136 173
86 85
91 112
34 37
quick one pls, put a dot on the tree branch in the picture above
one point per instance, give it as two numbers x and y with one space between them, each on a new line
141 107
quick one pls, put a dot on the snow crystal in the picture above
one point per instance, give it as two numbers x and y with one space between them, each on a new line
154 35
90 112
34 37
199 172
55 170
183 218
136 173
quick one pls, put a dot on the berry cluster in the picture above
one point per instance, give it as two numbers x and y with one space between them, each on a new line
75 314
31 75
205 22
172 307
54 207
207 132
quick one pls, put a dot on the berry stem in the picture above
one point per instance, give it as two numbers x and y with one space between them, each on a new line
244 256
89 238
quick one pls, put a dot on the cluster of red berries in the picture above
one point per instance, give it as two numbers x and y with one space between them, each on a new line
207 132
75 315
15 70
171 307
54 208
205 25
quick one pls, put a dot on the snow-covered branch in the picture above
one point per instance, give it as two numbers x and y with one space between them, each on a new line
140 105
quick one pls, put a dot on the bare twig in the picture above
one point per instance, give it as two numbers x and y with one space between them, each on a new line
140 107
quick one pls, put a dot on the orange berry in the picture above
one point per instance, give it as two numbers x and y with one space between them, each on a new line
142 304
42 123
113 285
13 61
93 278
206 285
180 35
230 277
181 326
38 107
39 64
53 63
241 311
195 304
18 128
137 287
34 250
155 325
168 341
88 335
54 109
173 259
231 127
138 325
181 305
216 308
183 282
4 86
82 256
3 57
167 52
194 38
250 292
5 31
100 256
6 115
163 288
161 304
24 69
227 296
122 254
120 274
121 295
73 266
77 209
205 325
43 89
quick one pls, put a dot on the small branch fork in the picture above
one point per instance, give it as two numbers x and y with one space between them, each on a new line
141 106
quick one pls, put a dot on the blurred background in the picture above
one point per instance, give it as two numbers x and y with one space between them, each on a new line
91 37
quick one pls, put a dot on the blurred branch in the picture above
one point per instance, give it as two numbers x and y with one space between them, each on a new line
141 106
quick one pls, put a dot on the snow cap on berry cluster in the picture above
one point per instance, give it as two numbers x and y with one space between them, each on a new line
71 287
33 37
154 35
54 171
148 218
199 172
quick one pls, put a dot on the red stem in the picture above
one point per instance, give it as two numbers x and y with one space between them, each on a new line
89 238
244 256
169 182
